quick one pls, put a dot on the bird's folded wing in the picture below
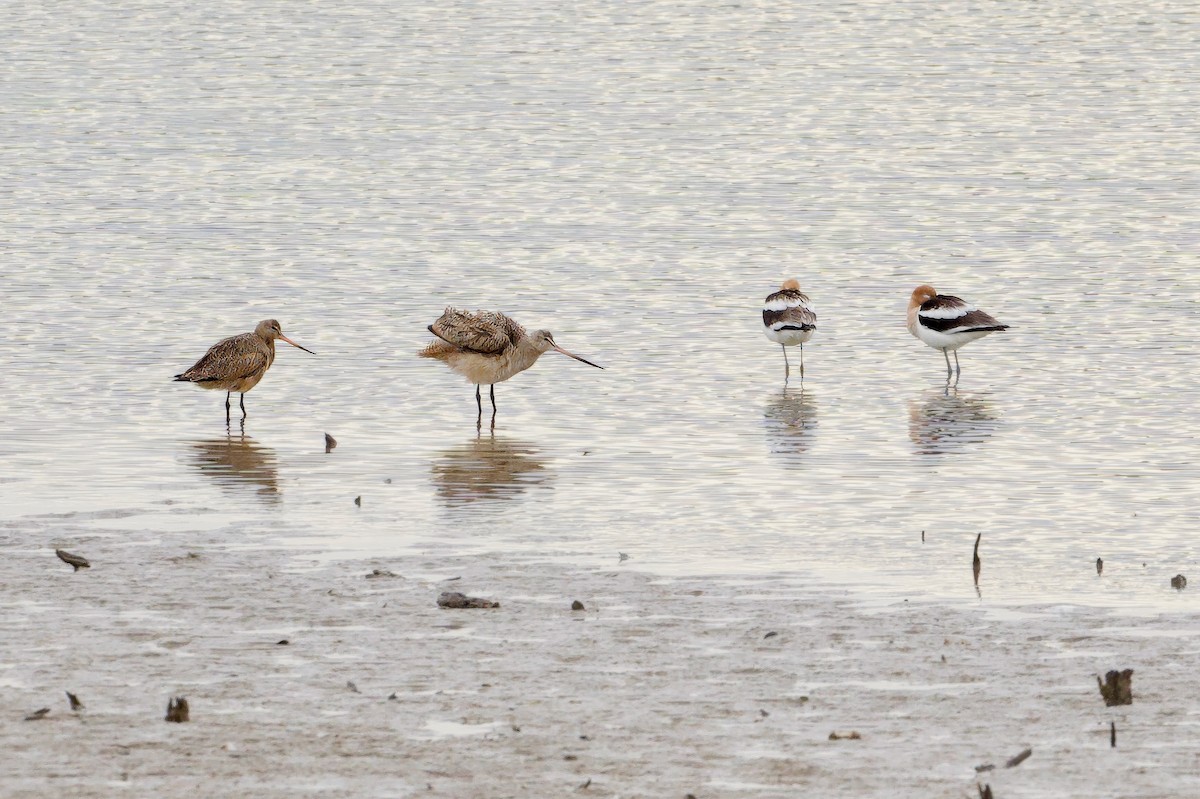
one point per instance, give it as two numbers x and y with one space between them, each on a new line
949 314
788 309
485 332
231 359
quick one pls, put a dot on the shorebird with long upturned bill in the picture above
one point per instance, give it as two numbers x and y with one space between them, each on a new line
946 323
238 362
788 320
487 347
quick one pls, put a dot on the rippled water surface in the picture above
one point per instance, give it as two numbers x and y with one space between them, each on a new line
635 177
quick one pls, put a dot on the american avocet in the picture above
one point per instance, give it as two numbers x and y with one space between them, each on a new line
487 347
238 362
946 323
789 320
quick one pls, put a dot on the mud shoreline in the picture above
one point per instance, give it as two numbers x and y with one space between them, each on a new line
660 687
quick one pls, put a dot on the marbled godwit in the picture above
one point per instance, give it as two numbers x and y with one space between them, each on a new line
947 323
488 347
238 362
789 320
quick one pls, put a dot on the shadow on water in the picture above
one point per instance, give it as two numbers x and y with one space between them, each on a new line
944 420
237 462
487 468
790 417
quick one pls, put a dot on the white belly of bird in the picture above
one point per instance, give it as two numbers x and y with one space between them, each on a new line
488 369
788 338
947 341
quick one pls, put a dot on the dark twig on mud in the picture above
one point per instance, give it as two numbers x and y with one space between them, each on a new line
1017 760
976 563
1112 735
78 561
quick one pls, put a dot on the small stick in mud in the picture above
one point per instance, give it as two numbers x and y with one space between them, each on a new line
78 561
1099 566
845 736
1112 735
76 705
38 715
976 563
177 710
1117 687
1017 760
453 599
330 443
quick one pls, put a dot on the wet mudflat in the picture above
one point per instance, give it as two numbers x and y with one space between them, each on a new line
306 678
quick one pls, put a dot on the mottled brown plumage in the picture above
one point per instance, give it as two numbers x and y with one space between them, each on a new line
238 363
487 347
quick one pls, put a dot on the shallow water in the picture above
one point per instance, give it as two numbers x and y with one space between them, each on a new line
636 179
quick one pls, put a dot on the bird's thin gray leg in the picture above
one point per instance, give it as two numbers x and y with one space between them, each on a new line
801 360
949 369
957 368
492 392
787 369
479 405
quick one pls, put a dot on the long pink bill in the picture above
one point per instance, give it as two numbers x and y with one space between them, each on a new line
576 357
294 344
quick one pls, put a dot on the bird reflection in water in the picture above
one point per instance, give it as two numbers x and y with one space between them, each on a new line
237 462
944 421
790 418
487 468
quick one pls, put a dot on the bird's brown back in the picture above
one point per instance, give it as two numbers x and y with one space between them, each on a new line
235 358
485 332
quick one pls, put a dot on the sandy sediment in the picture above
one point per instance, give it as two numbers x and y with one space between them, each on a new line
659 688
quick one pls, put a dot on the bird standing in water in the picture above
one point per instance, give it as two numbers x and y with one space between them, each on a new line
238 362
946 323
789 320
487 347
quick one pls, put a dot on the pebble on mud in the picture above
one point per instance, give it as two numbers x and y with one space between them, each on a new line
177 710
330 443
1179 582
1117 687
845 736
453 599
381 573
577 605
76 705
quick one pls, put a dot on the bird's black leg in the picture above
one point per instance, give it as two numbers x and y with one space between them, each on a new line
227 395
243 404
492 392
478 404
